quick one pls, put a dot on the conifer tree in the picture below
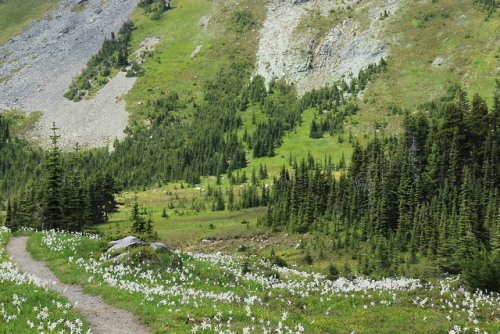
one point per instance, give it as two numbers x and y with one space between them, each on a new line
138 221
52 203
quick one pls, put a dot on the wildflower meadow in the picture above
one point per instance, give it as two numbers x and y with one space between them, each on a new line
27 306
181 292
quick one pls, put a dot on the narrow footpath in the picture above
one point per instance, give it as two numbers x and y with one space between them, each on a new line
103 318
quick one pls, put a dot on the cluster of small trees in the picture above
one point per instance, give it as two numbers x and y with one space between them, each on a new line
434 191
155 7
62 198
490 6
113 55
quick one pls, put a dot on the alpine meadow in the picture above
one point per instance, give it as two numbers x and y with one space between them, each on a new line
250 166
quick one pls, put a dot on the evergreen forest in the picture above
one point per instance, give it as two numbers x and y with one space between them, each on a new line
426 197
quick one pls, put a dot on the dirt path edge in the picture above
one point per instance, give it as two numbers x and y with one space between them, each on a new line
102 317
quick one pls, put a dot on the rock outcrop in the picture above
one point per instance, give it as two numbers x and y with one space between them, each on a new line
291 48
131 242
127 242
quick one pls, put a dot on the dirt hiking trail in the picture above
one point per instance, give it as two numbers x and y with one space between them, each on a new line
103 318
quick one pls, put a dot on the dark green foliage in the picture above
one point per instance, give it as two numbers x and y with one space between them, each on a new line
113 54
19 160
333 272
278 261
315 130
4 131
52 195
242 20
283 114
142 226
135 70
489 6
308 259
219 204
155 7
482 271
138 221
431 192
101 195
245 267
255 92
58 196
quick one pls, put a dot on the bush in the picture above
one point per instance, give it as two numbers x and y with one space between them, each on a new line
308 259
156 15
333 272
278 261
245 267
272 274
482 271
242 20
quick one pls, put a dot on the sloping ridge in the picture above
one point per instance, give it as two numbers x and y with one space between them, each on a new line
290 50
40 63
102 317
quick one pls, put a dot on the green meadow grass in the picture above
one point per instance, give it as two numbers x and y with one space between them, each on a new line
297 144
173 65
28 303
363 311
456 31
16 15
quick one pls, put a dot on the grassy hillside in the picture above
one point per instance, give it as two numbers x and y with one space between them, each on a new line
433 45
175 66
16 15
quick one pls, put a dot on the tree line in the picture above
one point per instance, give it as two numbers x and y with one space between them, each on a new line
61 198
433 191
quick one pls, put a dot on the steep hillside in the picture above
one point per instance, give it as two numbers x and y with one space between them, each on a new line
314 43
38 65
429 46
433 45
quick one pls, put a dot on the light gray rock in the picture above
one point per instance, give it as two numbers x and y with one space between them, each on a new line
159 245
126 242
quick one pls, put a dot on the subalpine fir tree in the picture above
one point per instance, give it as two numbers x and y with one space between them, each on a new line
52 204
138 221
75 197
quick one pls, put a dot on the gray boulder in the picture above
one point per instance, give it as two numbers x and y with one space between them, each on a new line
126 242
159 246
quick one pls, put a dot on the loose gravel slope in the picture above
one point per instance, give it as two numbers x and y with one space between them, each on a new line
37 66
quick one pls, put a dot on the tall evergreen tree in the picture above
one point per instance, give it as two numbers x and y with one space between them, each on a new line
52 202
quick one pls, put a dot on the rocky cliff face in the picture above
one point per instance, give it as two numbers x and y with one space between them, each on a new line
314 42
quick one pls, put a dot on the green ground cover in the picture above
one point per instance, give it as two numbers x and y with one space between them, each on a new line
173 65
433 45
16 15
182 292
27 307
